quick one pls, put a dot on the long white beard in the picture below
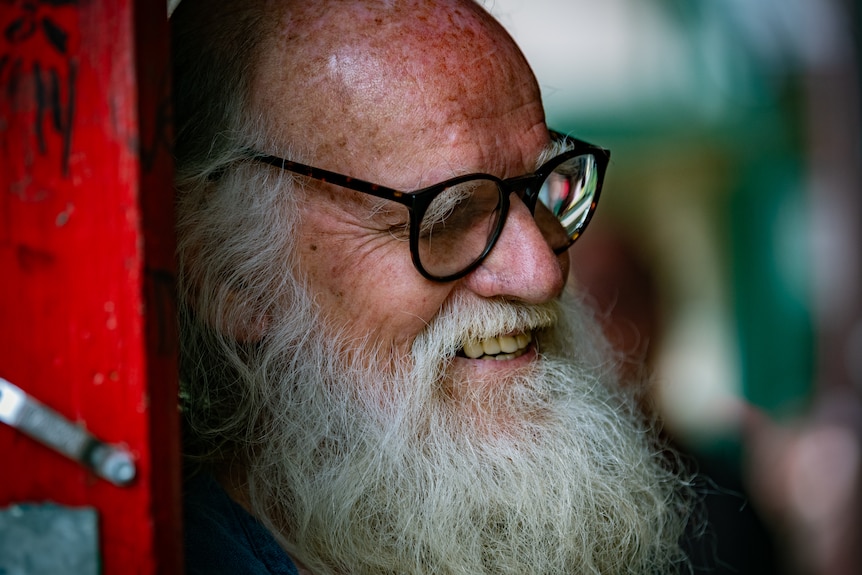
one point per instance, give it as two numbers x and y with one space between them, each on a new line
364 470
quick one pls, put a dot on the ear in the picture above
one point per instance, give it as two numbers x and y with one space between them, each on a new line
243 321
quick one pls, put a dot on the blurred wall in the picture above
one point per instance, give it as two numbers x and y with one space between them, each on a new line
734 130
726 252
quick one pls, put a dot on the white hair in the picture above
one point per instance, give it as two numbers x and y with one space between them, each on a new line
367 470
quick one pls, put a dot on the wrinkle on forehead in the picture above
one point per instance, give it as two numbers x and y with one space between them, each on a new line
371 83
410 64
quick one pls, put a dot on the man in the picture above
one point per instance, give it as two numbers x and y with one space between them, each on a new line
378 381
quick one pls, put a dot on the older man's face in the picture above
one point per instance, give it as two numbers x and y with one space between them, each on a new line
417 101
374 446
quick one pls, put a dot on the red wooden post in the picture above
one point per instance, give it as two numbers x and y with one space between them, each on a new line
86 253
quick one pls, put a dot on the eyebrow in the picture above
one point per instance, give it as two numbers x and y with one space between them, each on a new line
553 148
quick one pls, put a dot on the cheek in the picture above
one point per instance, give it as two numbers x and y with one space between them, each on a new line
374 293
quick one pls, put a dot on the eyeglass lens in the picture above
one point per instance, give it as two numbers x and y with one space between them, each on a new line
463 220
570 191
458 225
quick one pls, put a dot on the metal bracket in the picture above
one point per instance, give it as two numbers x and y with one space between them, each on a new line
28 415
47 539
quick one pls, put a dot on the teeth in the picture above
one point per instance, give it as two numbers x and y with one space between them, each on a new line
500 348
508 344
491 346
473 349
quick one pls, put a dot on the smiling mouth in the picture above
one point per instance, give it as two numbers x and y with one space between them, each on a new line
498 348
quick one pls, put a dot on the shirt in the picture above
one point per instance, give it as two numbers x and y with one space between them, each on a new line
221 537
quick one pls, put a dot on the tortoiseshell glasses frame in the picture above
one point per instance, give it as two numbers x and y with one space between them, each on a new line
455 224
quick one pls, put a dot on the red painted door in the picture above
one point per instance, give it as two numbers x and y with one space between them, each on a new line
86 262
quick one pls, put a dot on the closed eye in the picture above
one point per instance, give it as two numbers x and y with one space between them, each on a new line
460 206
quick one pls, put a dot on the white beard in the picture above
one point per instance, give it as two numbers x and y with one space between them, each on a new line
367 471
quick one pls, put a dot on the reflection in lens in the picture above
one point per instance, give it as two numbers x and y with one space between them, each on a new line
570 191
458 225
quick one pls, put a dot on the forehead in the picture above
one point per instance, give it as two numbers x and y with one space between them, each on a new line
399 84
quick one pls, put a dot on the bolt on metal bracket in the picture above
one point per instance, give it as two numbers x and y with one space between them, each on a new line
26 414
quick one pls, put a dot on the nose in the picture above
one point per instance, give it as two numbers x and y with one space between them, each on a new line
521 266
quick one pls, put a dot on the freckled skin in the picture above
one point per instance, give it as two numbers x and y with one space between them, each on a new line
405 96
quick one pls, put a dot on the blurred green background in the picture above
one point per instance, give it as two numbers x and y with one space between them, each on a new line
734 127
726 249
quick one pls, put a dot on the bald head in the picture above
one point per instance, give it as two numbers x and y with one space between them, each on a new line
348 84
365 87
